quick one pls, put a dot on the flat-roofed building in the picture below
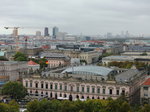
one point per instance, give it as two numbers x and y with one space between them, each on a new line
134 53
144 59
10 70
56 59
90 57
108 59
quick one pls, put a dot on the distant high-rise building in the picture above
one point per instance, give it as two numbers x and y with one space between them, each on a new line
46 34
15 33
55 32
109 35
122 34
127 34
38 33
61 35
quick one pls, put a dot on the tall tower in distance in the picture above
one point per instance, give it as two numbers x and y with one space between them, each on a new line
38 33
55 32
15 32
46 34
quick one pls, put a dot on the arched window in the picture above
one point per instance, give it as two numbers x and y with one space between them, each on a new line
65 95
55 95
88 97
41 93
51 86
82 97
30 84
46 85
70 97
42 85
26 83
36 93
51 95
46 93
71 88
60 95
36 85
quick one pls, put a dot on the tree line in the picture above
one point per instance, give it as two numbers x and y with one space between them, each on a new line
96 105
128 64
17 92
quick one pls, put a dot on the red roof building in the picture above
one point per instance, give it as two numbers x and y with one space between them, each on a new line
147 82
32 63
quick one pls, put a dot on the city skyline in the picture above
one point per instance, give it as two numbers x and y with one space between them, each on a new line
75 17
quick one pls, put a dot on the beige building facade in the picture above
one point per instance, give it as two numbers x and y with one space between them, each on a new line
73 88
10 70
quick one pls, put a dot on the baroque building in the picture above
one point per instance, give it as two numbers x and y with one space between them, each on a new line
93 84
71 88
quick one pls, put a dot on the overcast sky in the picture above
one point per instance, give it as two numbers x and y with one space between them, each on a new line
90 17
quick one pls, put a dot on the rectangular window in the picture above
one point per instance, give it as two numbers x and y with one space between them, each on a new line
61 87
145 88
145 94
71 88
36 85
41 85
46 86
123 92
103 91
82 89
78 89
93 90
26 84
65 88
30 84
51 86
117 92
88 89
55 86
98 90
110 91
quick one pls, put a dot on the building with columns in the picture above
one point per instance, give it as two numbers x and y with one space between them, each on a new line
73 88
75 85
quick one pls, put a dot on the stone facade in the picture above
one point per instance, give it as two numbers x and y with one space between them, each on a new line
10 70
145 92
62 87
57 62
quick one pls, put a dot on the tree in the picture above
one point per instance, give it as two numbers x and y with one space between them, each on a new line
144 54
145 108
15 90
20 57
44 106
11 107
83 61
105 55
42 63
109 105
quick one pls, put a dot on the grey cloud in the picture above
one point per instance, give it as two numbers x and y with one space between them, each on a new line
76 16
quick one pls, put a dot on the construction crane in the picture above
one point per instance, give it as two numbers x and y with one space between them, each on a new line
11 27
26 42
15 30
15 35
